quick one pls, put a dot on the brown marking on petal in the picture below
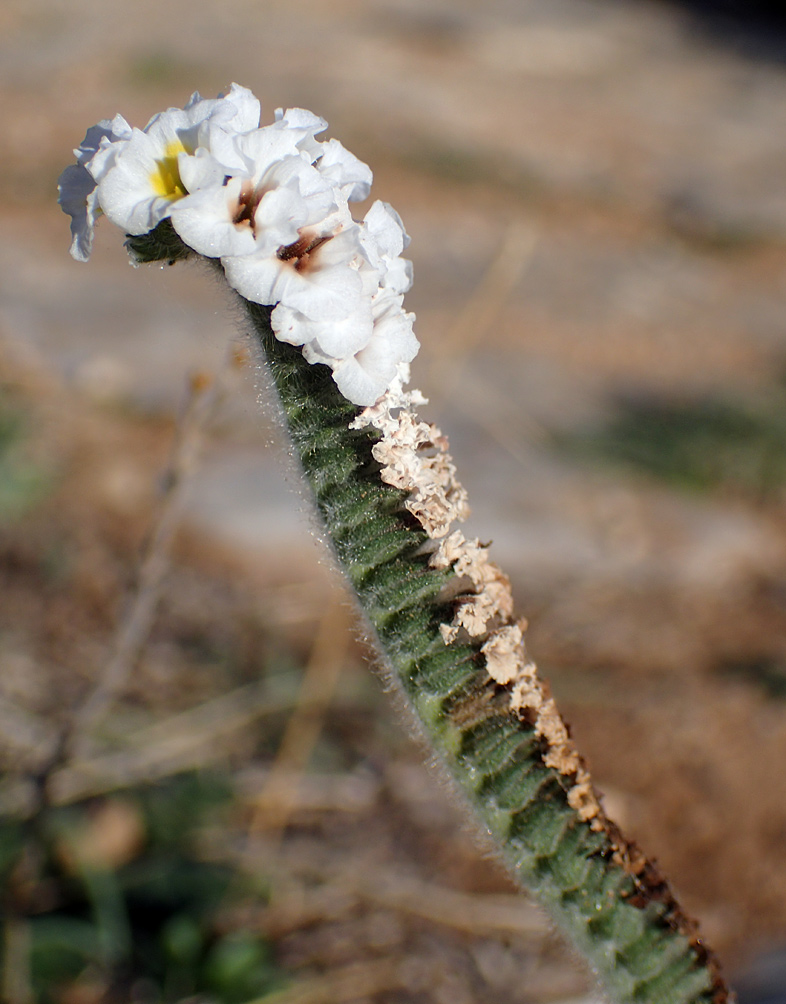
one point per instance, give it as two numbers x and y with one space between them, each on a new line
300 252
247 203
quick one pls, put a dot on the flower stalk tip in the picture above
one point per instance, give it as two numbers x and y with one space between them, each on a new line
271 204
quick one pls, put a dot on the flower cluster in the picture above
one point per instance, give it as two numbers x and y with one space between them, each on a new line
272 203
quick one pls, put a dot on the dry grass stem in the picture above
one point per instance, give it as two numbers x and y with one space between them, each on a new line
470 913
27 736
134 627
181 742
484 308
15 986
346 793
352 982
275 802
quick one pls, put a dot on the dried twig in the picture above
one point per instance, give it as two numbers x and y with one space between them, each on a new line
471 913
30 737
352 982
275 802
483 309
462 911
133 630
15 984
180 742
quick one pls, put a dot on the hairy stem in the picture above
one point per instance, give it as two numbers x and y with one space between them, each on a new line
608 899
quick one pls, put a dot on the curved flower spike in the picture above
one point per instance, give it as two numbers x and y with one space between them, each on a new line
272 203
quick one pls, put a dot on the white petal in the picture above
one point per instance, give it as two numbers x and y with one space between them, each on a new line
398 275
333 340
313 354
327 295
325 286
77 198
254 276
246 109
290 325
367 375
357 384
384 225
342 339
222 121
300 118
303 125
200 170
126 192
224 149
384 238
294 197
76 185
106 131
279 216
265 147
105 157
177 127
205 221
345 171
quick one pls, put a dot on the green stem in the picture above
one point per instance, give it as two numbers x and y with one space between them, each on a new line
607 898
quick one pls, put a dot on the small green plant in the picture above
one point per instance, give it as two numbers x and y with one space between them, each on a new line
22 481
709 444
323 295
139 914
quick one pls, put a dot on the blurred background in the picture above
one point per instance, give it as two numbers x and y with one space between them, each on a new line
206 794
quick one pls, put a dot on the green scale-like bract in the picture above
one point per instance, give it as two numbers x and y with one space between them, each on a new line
495 757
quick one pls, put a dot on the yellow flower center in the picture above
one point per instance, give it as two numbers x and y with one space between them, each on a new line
165 180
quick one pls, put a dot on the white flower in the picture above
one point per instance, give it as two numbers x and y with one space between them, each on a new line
365 376
340 168
344 171
332 339
138 189
317 275
77 187
272 204
263 207
335 338
304 122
